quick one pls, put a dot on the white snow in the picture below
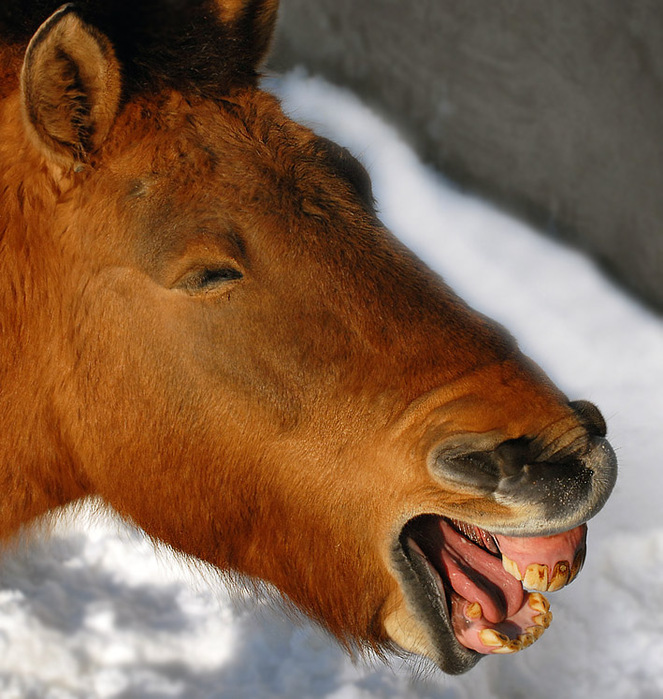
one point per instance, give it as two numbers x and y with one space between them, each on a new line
92 610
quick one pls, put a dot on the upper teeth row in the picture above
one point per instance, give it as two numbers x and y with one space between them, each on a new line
538 576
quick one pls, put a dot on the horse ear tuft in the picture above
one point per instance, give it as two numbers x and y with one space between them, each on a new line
253 23
70 87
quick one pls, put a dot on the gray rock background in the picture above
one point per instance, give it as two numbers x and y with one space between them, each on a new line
554 109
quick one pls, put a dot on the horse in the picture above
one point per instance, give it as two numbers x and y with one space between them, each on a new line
205 325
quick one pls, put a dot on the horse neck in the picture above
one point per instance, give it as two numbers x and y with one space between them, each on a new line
32 462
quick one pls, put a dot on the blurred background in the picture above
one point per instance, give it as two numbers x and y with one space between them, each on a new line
552 109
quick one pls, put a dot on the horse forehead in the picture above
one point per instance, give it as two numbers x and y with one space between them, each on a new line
249 129
211 150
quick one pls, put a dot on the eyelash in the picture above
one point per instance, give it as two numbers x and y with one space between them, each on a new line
210 278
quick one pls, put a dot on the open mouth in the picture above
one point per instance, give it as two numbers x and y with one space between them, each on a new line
480 593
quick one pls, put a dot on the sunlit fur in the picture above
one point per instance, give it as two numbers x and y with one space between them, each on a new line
278 425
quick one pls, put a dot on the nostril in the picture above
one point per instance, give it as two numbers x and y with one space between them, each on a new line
484 469
512 456
590 417
476 469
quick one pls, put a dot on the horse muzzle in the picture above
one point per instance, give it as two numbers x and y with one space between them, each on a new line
472 581
549 486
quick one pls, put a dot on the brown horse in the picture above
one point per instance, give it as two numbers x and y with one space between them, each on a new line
204 323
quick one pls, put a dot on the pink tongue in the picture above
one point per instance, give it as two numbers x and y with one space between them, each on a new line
478 576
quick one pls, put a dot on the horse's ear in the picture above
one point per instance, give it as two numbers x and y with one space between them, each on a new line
253 22
70 86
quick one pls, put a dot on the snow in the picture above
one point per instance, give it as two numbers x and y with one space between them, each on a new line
92 609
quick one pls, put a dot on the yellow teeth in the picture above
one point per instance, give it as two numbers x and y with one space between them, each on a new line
538 602
511 567
536 577
493 639
502 644
510 647
535 631
543 619
526 639
473 611
499 642
560 576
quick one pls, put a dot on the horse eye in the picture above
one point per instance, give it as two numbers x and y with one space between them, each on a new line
209 278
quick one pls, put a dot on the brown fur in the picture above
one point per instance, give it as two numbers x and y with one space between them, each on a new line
279 424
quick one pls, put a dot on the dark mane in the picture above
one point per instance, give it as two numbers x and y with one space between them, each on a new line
178 44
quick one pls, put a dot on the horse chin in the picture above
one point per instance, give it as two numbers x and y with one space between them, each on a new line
469 592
